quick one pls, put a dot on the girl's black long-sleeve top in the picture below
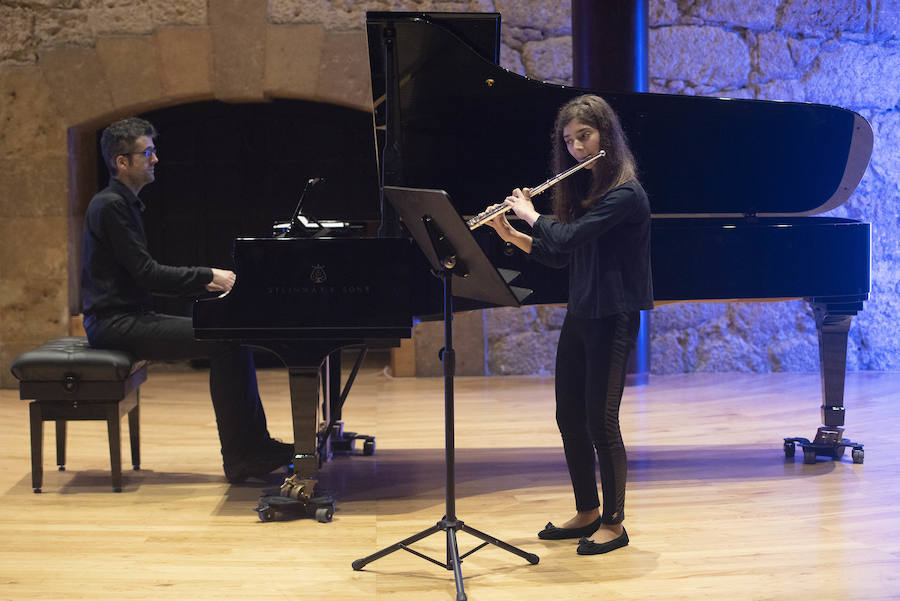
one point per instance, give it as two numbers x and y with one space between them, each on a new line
607 251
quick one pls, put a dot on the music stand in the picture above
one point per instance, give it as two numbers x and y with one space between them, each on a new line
457 259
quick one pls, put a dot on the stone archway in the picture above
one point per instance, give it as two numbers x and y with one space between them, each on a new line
50 112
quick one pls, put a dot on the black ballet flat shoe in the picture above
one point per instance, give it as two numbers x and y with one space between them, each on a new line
551 532
589 547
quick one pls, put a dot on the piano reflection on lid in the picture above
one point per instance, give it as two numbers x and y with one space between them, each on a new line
302 226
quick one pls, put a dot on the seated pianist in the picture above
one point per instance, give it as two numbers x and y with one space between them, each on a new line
118 277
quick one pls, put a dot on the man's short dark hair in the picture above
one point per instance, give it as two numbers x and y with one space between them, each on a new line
119 138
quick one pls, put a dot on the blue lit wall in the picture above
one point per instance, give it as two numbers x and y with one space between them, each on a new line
825 51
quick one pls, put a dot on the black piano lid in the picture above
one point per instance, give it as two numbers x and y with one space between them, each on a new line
479 31
477 130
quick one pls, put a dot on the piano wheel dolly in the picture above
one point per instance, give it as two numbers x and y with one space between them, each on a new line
827 443
342 441
295 500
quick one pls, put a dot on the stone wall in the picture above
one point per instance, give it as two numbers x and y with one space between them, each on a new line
844 53
69 66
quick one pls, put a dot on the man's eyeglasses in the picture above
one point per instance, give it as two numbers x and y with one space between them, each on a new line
147 152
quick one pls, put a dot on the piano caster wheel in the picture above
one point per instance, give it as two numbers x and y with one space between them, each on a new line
276 507
857 455
324 514
369 447
809 455
789 450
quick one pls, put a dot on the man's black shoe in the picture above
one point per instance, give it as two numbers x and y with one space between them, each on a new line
551 532
251 468
589 547
273 455
275 449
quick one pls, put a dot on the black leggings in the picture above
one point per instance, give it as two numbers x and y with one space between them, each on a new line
590 375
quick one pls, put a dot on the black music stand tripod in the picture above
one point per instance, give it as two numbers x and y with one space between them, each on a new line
455 257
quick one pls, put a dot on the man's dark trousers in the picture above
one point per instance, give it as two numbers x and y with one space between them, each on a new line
232 374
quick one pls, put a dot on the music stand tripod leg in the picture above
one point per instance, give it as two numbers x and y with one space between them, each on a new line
454 563
450 524
403 544
529 557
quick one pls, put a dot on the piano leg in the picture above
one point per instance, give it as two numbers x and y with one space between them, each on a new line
304 386
832 333
832 325
308 365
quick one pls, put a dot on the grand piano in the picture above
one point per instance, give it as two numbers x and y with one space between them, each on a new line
734 186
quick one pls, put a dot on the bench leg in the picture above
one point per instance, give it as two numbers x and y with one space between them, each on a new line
134 431
37 444
61 444
115 445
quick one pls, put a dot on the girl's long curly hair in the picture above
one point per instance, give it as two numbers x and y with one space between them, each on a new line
573 196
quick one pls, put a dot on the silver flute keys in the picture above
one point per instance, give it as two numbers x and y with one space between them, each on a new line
485 216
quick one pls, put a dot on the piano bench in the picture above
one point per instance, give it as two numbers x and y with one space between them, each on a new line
69 380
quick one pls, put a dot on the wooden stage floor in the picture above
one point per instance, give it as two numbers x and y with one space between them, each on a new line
714 509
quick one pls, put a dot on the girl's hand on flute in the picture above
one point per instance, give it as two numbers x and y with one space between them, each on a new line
506 231
500 223
520 203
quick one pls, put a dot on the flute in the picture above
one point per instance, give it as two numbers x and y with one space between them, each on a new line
486 216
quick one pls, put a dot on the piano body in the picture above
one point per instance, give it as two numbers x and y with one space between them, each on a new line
733 185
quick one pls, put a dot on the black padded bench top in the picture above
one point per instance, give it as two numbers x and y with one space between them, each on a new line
73 356
69 380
